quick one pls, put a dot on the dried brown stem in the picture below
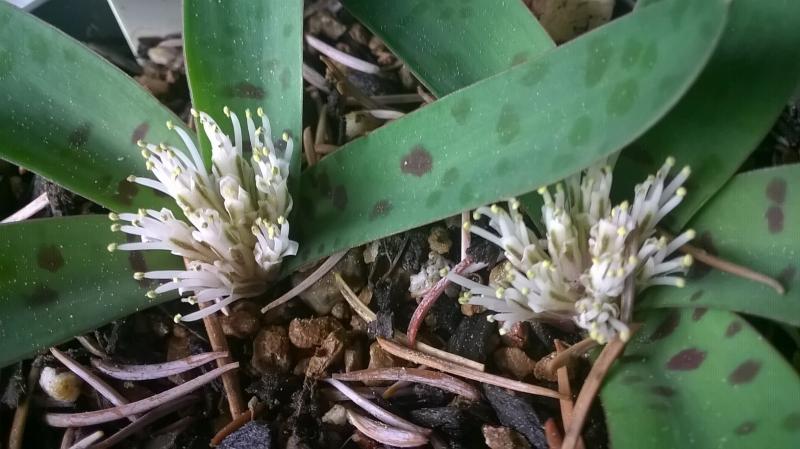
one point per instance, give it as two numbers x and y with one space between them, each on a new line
308 147
17 432
563 358
462 371
385 434
565 389
133 408
146 419
553 435
429 300
433 378
106 390
88 441
345 87
230 379
155 371
727 266
590 388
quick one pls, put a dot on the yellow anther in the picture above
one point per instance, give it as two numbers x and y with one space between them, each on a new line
116 227
151 294
467 225
140 143
621 231
138 275
687 260
194 112
503 331
247 113
227 111
131 178
260 111
285 136
111 247
177 318
670 162
680 192
691 233
680 283
113 216
170 125
281 220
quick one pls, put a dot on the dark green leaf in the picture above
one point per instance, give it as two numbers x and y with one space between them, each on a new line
532 125
692 378
58 280
753 221
730 108
71 117
450 44
246 54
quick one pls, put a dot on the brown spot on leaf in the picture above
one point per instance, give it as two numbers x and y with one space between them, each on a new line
776 190
43 295
667 326
662 390
417 162
79 136
745 372
774 217
49 257
126 191
245 89
380 209
696 295
686 360
519 58
745 428
733 328
698 313
792 422
140 132
339 197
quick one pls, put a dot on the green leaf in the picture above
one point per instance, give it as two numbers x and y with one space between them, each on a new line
58 280
246 54
691 378
531 125
729 109
450 44
71 117
753 221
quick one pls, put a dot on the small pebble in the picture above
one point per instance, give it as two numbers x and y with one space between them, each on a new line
439 240
310 332
328 353
503 438
514 361
337 415
272 350
64 386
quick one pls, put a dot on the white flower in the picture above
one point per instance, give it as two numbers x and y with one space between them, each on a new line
237 233
586 253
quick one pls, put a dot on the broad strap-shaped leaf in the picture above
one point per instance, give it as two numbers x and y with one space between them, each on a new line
754 221
57 280
72 117
246 54
450 44
730 108
531 125
697 378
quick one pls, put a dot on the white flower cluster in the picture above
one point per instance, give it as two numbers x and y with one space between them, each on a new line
237 232
588 252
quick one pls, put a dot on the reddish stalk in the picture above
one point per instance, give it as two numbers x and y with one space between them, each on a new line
230 379
563 357
590 388
429 300
155 371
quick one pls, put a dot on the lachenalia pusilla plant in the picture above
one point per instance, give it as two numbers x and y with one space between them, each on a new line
584 253
234 231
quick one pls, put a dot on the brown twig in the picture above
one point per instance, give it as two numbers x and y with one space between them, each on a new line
562 358
308 147
385 434
565 389
237 422
429 300
133 408
230 379
590 388
157 370
433 378
462 371
17 432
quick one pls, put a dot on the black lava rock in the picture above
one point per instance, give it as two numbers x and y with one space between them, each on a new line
253 435
517 413
474 338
